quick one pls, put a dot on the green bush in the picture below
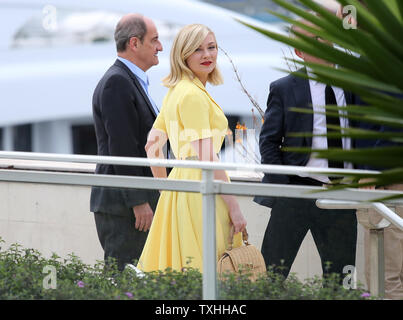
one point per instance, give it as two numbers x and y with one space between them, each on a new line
25 274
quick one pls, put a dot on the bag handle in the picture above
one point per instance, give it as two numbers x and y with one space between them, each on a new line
245 237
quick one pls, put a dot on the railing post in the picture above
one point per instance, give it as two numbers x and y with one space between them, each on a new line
377 263
209 236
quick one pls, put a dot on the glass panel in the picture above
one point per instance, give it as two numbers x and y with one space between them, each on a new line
84 140
22 137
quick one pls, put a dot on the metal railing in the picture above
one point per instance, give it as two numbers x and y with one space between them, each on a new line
208 187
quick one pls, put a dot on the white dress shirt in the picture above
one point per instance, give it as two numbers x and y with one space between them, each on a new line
319 125
143 79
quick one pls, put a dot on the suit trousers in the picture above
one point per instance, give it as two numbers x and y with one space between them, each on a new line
393 249
334 232
119 238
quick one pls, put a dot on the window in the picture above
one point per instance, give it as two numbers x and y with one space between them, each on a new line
1 139
22 137
84 140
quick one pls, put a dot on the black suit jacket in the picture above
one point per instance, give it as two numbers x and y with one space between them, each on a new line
371 143
279 122
123 116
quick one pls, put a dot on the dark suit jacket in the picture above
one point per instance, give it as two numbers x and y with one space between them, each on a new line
279 121
123 116
372 143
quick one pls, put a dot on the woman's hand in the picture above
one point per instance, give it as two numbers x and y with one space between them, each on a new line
237 219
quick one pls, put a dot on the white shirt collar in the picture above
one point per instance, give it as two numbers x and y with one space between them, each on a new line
136 70
310 73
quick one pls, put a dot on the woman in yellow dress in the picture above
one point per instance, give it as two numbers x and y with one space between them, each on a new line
195 126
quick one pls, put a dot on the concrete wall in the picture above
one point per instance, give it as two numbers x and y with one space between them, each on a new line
56 218
50 218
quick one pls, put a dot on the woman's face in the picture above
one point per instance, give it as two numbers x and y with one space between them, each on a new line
203 61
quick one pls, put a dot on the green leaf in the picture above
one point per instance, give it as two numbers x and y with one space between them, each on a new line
383 104
388 20
399 13
343 42
314 47
394 8
331 23
374 52
383 101
377 119
354 134
351 77
381 157
372 46
371 25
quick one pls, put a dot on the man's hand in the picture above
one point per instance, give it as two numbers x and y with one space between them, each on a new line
144 216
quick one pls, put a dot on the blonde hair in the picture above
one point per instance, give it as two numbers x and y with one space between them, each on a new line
188 39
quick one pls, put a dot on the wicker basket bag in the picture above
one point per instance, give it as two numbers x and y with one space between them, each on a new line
246 259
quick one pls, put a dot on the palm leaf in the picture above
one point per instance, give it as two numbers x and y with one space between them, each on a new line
345 43
351 77
385 102
399 6
321 50
373 26
369 156
354 134
386 17
360 116
363 40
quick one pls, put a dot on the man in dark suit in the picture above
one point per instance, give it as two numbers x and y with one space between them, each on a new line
123 114
334 231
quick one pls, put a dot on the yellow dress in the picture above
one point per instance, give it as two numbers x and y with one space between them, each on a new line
175 238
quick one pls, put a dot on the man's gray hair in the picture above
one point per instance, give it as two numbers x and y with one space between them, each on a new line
127 28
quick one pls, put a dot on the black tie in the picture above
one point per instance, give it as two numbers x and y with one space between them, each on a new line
333 142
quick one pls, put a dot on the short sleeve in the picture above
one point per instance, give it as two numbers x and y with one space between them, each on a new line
159 122
195 116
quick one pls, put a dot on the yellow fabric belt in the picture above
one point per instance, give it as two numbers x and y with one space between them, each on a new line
192 158
196 157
